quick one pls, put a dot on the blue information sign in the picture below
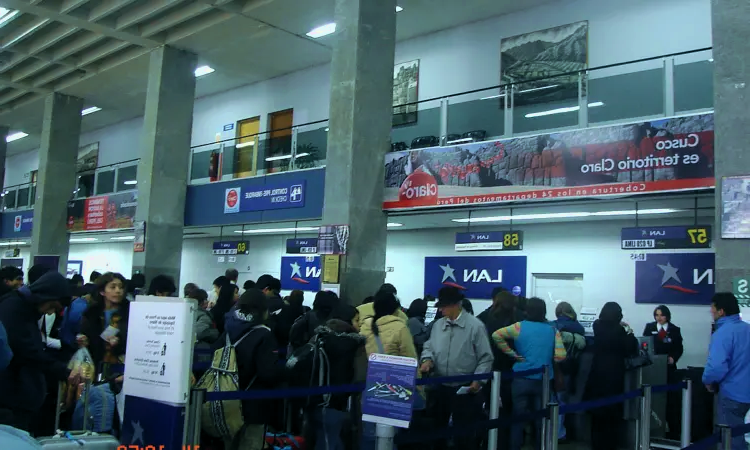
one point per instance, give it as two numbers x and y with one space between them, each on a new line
229 127
491 240
230 248
266 197
675 278
669 238
475 276
300 272
389 394
302 246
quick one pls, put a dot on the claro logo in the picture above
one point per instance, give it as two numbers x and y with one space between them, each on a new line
692 140
419 189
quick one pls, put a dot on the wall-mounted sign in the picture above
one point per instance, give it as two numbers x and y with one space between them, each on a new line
13 262
106 212
475 276
662 155
300 272
333 239
229 127
266 197
675 279
302 246
231 248
492 240
139 230
390 390
331 264
741 290
666 238
23 222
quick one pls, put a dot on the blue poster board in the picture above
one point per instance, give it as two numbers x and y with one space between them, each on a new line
276 195
475 276
389 396
675 279
300 272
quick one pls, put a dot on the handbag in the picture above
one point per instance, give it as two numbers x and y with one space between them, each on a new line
642 359
559 378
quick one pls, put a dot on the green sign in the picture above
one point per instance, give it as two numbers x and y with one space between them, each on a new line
741 290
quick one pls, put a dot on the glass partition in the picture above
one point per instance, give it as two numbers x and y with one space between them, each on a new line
127 177
476 116
626 92
312 145
105 181
416 125
545 104
694 81
9 199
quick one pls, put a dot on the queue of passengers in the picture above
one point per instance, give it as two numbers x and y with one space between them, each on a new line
50 318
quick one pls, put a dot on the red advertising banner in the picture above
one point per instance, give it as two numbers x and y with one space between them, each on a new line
106 212
658 156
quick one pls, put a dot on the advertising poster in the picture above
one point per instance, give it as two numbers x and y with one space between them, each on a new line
333 239
390 390
266 197
300 272
658 156
735 207
159 356
105 212
675 279
23 222
475 276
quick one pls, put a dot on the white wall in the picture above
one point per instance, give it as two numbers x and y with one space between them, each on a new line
109 257
453 60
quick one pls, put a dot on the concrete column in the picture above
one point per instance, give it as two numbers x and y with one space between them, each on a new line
61 129
163 167
359 137
731 54
3 151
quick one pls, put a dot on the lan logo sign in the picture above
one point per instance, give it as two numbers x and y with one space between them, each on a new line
675 278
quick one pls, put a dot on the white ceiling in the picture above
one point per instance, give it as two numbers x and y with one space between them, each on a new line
72 46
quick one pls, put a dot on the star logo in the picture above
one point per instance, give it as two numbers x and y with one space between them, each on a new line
297 273
670 273
448 272
137 433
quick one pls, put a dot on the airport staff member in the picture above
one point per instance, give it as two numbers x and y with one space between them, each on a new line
667 336
728 366
458 345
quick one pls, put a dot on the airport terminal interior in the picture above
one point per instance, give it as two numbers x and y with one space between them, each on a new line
474 164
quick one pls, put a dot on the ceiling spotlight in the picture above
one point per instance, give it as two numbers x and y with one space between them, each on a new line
399 9
323 30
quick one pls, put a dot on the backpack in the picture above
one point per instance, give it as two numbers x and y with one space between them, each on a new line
574 344
308 366
223 419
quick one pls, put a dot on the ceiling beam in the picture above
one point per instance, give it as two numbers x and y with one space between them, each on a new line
80 22
174 18
251 5
70 5
107 8
39 45
144 12
22 33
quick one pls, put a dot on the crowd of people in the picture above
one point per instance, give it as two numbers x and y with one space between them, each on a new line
279 342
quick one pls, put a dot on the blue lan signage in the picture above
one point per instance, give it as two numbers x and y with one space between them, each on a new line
491 240
666 238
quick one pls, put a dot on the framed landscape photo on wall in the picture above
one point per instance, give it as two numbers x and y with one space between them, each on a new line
405 90
540 56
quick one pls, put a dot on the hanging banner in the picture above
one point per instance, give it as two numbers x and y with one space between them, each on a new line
663 155
300 272
675 279
475 276
105 212
333 239
265 197
663 238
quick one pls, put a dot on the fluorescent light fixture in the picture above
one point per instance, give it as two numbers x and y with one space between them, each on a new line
87 239
323 30
203 70
90 110
492 96
326 129
538 88
566 215
245 144
15 136
399 9
710 60
562 110
123 238
459 141
130 182
278 158
276 230
395 225
6 244
6 14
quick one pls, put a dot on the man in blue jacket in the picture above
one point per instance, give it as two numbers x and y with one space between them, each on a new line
728 366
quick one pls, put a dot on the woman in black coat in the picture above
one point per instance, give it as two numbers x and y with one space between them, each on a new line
613 343
667 336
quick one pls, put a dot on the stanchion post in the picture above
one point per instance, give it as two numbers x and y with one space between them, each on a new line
553 425
545 400
645 435
384 436
494 409
726 437
197 398
687 414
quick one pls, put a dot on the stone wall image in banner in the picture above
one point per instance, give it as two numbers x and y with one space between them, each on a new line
658 156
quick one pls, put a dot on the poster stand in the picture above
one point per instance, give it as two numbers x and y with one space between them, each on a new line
158 365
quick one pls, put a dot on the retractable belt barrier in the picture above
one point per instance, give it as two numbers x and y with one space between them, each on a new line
723 436
669 387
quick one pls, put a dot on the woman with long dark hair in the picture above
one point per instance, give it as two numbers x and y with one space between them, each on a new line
224 303
613 343
416 313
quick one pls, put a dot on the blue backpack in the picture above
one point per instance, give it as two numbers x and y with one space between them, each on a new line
101 410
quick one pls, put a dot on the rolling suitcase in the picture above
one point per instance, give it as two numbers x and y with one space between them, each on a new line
77 439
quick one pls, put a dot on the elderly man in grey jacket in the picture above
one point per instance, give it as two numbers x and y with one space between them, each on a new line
458 345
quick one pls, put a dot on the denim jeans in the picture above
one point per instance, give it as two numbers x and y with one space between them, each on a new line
328 423
732 413
527 398
562 398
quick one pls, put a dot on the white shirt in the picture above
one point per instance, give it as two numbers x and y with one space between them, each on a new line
660 327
